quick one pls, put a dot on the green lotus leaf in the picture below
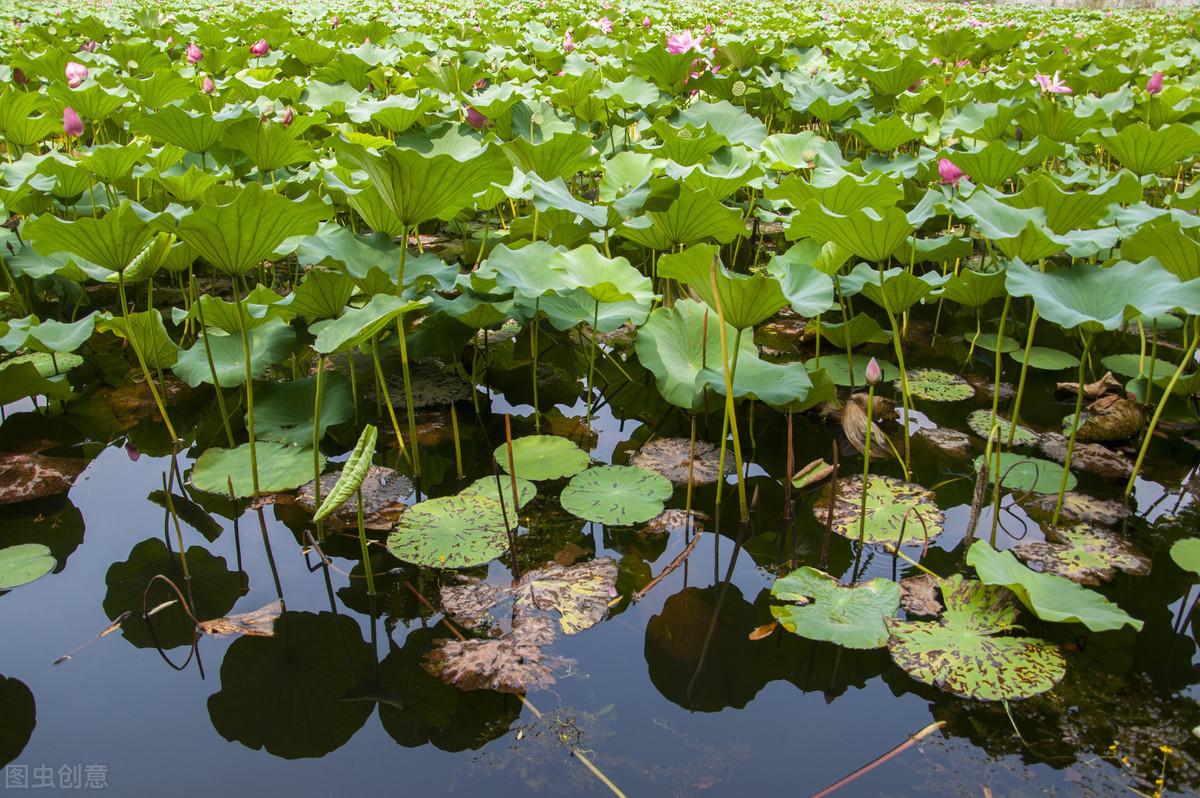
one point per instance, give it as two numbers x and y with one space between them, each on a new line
283 411
1075 210
859 330
694 217
19 379
1050 597
867 233
938 386
1137 367
1186 554
194 131
486 486
1024 473
147 327
808 290
839 370
269 145
1084 554
1045 358
353 473
358 326
1147 151
269 344
967 652
238 236
852 616
280 468
980 422
974 289
451 532
543 457
111 242
996 162
1165 240
838 191
745 300
24 563
897 511
616 495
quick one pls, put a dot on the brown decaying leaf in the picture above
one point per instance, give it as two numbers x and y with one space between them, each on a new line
950 441
670 457
1110 418
35 476
384 492
1076 507
1090 457
1091 390
854 425
764 631
1085 554
668 520
919 595
515 663
259 623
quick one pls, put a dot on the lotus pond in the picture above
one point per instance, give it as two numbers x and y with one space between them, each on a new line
657 398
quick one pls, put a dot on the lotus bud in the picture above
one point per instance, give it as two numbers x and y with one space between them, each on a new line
874 374
336 21
207 85
76 73
194 56
260 48
19 78
72 124
1155 84
89 46
646 23
949 173
288 116
475 119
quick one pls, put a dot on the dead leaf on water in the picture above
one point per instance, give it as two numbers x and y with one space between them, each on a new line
1091 390
259 623
919 595
24 477
514 663
670 457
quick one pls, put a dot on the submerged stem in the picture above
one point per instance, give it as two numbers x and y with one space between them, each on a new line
1062 485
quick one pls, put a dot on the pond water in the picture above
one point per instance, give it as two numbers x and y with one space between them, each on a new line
668 696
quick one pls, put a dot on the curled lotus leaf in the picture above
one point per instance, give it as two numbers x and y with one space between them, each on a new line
486 486
980 422
450 532
616 495
1084 554
384 494
542 457
938 386
1110 418
969 652
672 457
852 616
896 511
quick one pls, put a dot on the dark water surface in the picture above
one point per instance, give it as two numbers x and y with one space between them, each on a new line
666 697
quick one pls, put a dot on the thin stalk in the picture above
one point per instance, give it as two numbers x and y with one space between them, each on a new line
458 465
591 365
387 399
898 345
730 412
1015 415
243 328
408 398
862 512
316 441
1062 485
141 359
1158 409
362 542
212 367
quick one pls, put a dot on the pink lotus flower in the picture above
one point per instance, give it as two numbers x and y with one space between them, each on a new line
132 452
708 29
76 73
207 85
89 46
336 21
1052 85
72 124
260 48
646 23
568 42
678 43
966 62
873 373
605 25
1155 84
950 173
480 84
475 119
288 116
194 56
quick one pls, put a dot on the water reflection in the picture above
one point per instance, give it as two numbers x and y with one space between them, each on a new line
18 712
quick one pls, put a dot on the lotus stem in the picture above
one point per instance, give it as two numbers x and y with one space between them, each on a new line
737 348
591 365
316 440
458 465
1062 485
362 542
212 368
862 513
1015 415
141 359
730 412
387 398
408 397
898 345
243 328
1158 409
1153 360
534 351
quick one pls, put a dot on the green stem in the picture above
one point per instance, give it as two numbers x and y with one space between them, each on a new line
862 515
1062 485
1158 409
592 364
899 347
362 542
316 440
729 409
1015 415
243 328
137 351
212 366
408 395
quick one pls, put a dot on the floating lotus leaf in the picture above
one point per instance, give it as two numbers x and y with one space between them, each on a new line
838 369
450 532
35 476
1045 358
280 467
980 422
1024 473
990 342
852 616
1084 554
675 459
1091 458
1076 507
1186 554
938 386
1050 597
967 651
24 563
542 457
616 495
950 441
919 595
486 486
894 508
283 411
384 492
514 663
